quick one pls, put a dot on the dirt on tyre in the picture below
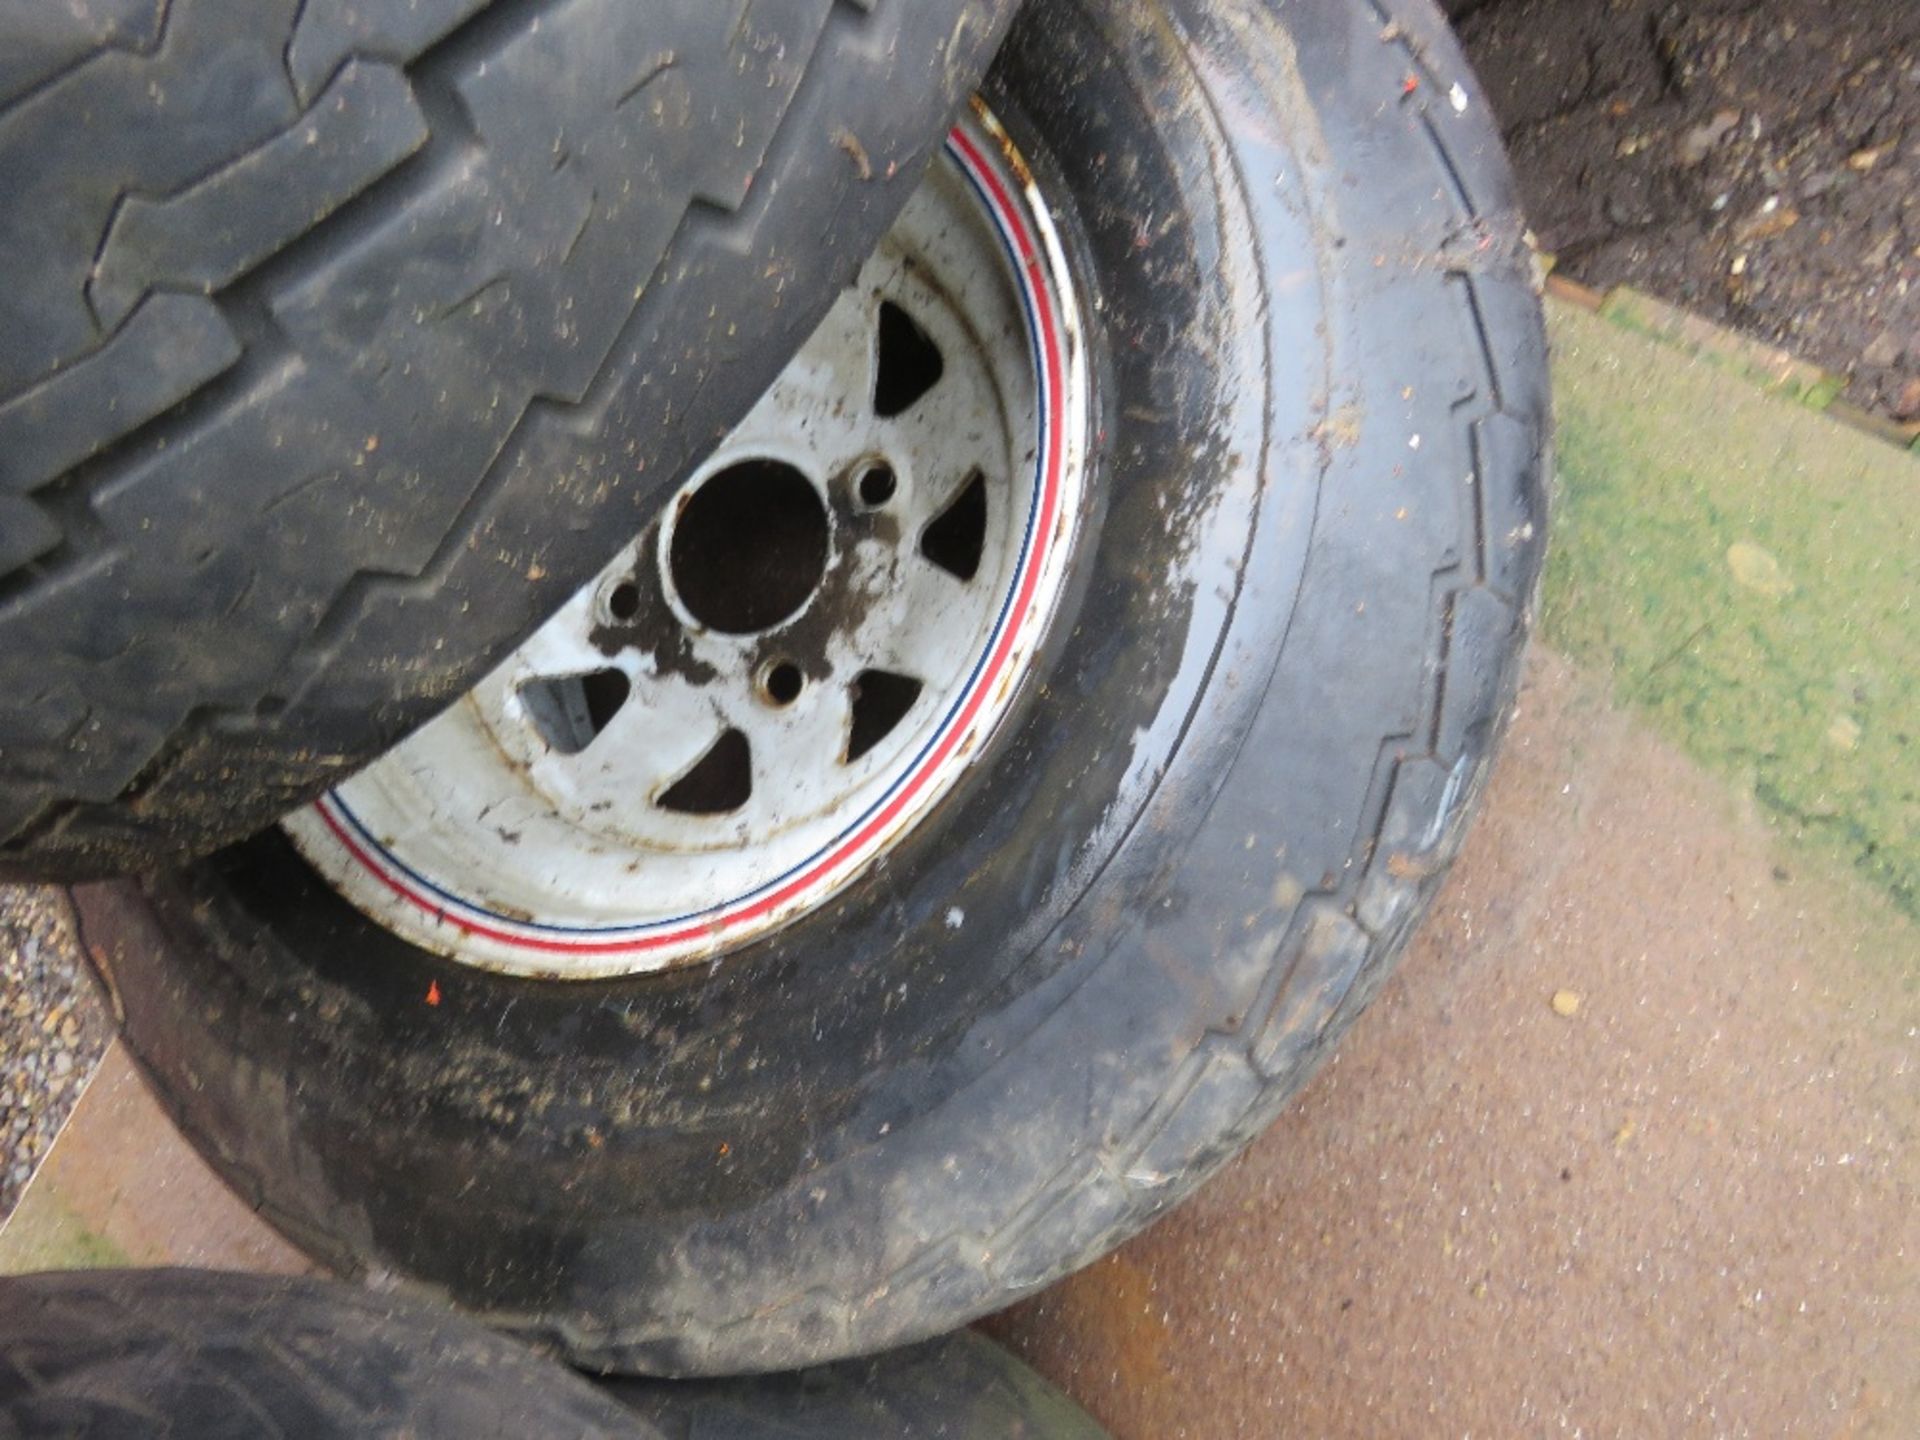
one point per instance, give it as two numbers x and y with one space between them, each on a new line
1236 609
340 342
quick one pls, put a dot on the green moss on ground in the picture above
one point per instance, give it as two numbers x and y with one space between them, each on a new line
1747 572
51 1236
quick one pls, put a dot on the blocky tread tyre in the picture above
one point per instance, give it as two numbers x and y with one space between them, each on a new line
1160 894
339 342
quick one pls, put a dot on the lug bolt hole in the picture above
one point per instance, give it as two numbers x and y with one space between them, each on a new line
623 601
781 682
877 484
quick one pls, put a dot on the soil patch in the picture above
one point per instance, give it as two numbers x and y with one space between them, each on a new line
1757 161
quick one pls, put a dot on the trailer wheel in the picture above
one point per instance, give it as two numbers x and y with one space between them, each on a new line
771 1051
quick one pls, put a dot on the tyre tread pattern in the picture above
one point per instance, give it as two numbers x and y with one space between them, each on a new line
283 356
306 306
1342 943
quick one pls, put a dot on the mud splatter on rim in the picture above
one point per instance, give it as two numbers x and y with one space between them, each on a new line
787 670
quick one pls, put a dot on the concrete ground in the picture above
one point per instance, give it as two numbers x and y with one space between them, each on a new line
1628 1146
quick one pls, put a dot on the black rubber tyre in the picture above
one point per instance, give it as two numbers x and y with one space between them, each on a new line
199 1355
1183 867
341 340
203 1355
959 1387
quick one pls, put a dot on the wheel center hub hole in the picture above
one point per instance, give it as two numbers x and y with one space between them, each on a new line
749 547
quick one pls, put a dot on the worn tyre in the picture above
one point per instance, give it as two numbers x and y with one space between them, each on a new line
341 341
959 1387
1240 758
202 1355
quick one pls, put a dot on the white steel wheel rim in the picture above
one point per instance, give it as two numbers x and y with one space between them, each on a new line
554 824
